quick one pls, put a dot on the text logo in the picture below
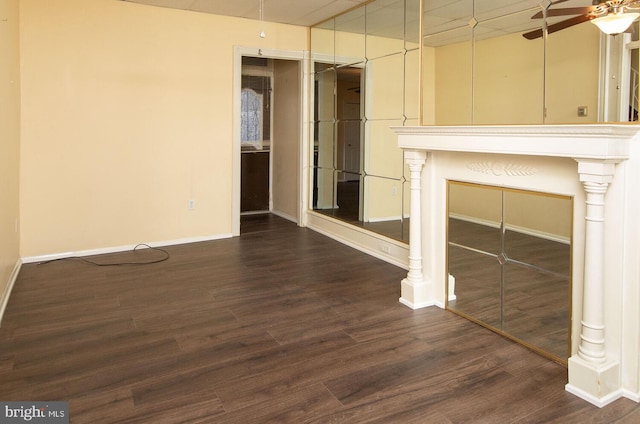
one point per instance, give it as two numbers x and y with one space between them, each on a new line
34 412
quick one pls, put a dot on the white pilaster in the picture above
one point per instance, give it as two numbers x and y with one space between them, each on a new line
415 291
592 375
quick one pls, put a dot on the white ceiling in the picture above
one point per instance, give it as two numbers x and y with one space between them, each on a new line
294 12
445 21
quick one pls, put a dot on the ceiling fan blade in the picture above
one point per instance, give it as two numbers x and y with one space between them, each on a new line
566 11
558 26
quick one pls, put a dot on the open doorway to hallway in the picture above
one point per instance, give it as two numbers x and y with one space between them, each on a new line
270 133
256 103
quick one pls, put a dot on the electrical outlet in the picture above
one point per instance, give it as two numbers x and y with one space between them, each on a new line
385 248
191 204
394 190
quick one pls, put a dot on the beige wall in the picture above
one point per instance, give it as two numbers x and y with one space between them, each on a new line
452 95
568 85
286 138
9 140
127 114
506 82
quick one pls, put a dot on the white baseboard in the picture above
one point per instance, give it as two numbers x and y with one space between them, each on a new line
285 216
599 402
376 245
4 300
415 306
254 213
385 219
631 395
116 249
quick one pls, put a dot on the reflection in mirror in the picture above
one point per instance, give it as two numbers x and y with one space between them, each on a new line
411 89
564 95
350 37
469 63
508 72
573 75
509 263
323 41
337 136
385 28
447 78
370 84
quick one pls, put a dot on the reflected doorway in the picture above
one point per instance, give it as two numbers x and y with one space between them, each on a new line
338 193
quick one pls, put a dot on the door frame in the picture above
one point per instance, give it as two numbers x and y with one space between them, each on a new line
303 178
615 73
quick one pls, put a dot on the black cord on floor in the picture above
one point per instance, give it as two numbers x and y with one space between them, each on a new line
79 258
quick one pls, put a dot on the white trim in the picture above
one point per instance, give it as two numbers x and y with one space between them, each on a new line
304 187
373 244
631 395
238 53
418 305
116 249
285 216
599 402
4 300
386 219
236 160
254 213
595 141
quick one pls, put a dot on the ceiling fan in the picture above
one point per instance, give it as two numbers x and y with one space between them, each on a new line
612 17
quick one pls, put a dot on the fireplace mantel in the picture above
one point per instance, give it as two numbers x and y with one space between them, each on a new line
572 141
597 165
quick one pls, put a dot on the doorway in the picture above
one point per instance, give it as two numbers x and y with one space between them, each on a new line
267 135
256 104
619 77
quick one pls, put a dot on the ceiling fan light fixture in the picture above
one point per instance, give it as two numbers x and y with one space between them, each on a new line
615 23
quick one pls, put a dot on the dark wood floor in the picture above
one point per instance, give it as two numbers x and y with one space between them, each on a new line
279 325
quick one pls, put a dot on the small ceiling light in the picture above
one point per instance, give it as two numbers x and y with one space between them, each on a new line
615 23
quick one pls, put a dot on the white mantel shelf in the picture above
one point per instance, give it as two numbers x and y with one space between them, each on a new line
598 141
599 167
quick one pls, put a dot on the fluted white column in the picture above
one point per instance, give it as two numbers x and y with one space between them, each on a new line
415 291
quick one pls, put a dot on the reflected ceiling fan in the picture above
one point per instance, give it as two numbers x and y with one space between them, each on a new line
612 17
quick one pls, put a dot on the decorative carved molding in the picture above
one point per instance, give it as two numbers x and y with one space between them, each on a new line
502 169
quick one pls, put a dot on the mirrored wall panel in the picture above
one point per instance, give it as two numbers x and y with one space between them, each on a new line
491 62
366 80
509 263
465 62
